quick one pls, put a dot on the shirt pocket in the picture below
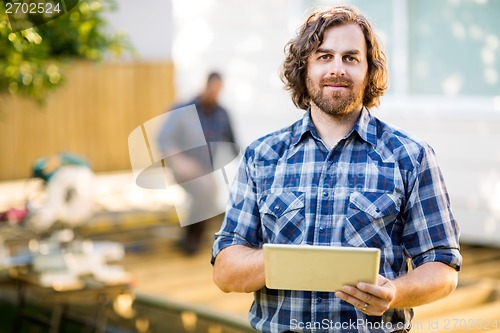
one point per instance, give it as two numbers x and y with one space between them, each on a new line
370 219
283 217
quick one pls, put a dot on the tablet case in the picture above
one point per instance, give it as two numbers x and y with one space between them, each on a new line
319 268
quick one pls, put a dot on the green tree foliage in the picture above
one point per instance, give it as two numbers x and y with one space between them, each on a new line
32 60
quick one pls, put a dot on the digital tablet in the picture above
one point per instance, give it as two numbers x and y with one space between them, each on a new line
319 268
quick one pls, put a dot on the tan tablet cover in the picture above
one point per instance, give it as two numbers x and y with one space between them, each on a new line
319 268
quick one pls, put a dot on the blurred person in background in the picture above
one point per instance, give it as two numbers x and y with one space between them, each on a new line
179 131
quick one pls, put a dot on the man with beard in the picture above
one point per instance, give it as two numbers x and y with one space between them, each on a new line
180 132
339 177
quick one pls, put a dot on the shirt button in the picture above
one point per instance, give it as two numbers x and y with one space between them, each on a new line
321 229
276 207
325 193
319 299
377 210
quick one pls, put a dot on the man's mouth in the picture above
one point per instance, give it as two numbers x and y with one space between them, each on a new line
336 85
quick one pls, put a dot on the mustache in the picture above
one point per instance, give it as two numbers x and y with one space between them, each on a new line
337 81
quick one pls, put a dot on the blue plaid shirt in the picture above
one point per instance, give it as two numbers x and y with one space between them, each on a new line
378 187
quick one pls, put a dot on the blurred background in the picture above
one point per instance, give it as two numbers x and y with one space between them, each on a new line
81 83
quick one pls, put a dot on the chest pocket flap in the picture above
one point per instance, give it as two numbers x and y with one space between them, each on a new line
375 204
282 217
279 204
370 218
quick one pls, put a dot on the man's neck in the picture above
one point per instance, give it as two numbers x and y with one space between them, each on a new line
332 129
206 105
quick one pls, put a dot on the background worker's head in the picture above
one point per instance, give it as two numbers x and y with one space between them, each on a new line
212 90
311 35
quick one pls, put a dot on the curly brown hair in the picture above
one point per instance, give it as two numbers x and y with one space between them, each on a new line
310 37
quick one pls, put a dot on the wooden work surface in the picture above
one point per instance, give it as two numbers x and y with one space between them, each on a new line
164 271
168 273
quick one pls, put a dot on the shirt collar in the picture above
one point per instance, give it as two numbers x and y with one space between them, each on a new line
365 127
305 126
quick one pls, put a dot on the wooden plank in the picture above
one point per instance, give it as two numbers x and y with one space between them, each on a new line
464 297
92 115
169 274
189 279
489 269
480 318
473 255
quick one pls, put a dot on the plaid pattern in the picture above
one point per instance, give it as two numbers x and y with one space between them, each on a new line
216 124
377 187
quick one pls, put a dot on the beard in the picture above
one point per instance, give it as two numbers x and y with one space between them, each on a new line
335 103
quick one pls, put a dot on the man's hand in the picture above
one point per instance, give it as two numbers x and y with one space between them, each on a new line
371 299
424 284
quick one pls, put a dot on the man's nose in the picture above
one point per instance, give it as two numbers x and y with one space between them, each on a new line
337 67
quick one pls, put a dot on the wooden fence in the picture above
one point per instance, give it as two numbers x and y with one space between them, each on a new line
91 115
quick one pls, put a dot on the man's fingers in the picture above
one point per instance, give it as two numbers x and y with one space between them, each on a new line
384 289
360 295
373 309
371 299
350 299
373 290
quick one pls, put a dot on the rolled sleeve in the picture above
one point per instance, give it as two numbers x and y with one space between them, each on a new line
241 225
431 232
448 256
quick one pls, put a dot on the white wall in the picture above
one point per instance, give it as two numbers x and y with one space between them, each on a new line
148 25
244 40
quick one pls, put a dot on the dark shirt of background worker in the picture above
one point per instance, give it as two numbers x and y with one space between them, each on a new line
186 165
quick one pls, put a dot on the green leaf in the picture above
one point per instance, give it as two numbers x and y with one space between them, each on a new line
30 60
